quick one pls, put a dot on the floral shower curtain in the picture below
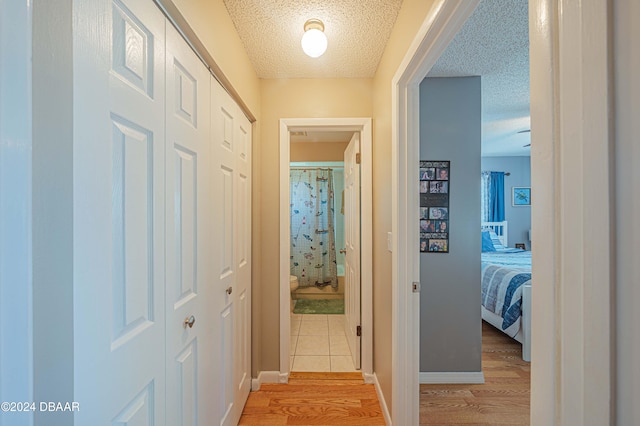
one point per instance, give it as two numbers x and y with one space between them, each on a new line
313 252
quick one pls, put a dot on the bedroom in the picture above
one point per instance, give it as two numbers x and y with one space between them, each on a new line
475 114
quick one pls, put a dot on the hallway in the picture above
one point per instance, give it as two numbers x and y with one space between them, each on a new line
315 399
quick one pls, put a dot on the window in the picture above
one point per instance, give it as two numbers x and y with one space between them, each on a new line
492 196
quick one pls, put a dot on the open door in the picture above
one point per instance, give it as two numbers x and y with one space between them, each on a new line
352 243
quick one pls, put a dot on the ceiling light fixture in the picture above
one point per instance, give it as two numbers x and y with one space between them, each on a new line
314 41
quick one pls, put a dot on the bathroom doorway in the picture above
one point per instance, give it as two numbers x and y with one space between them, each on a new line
326 312
317 246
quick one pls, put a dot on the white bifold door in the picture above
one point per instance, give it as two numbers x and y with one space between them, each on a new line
162 226
119 213
231 168
191 333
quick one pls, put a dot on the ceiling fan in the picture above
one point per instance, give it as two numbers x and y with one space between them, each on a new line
525 131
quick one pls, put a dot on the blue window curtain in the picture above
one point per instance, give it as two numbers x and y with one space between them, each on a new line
492 196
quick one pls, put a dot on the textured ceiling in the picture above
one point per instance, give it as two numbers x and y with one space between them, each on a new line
357 32
494 44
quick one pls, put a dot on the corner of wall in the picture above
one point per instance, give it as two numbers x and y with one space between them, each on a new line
383 403
268 377
52 211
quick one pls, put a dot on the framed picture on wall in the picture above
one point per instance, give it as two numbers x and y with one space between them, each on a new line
521 196
435 185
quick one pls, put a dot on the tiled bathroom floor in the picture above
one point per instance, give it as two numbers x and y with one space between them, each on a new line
319 344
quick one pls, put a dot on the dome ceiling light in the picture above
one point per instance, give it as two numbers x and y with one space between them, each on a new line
314 41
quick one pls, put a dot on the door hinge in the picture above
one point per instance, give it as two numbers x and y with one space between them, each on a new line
416 287
358 331
358 158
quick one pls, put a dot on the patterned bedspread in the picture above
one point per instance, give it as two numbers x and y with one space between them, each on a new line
503 275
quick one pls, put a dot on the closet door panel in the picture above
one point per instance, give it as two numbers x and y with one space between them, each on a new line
231 141
243 261
191 331
162 226
119 159
224 146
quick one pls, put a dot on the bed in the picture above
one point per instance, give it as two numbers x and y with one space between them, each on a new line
506 286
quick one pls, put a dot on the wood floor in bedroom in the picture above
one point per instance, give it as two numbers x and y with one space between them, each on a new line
502 400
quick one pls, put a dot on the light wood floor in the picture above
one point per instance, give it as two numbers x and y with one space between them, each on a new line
343 398
314 399
502 400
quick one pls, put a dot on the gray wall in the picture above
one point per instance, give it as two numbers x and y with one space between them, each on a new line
627 211
450 321
519 218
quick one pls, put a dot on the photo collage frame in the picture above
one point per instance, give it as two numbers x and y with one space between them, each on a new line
435 186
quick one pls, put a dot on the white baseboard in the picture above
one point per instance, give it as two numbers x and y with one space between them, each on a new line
369 379
383 403
457 377
268 377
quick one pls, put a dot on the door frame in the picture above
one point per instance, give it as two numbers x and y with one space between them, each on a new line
364 126
440 26
572 374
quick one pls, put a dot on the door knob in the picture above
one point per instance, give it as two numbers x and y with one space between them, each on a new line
343 251
229 290
189 322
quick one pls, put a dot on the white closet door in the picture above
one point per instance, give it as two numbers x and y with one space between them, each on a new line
352 243
119 320
242 329
162 226
231 166
191 323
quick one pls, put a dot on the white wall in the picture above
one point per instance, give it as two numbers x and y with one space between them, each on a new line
36 298
519 218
